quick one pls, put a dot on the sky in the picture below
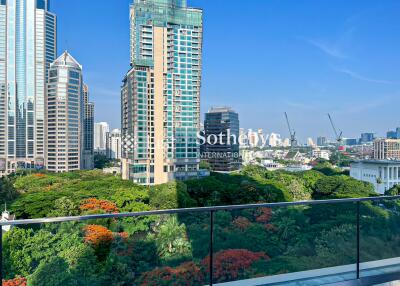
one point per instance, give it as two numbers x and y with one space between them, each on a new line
262 58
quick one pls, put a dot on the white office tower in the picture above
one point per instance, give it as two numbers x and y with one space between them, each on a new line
27 48
114 144
65 110
100 137
275 140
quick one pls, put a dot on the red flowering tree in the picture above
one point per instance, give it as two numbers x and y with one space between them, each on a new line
186 274
19 281
264 216
231 264
94 204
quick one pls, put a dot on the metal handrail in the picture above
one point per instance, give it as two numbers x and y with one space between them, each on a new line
193 210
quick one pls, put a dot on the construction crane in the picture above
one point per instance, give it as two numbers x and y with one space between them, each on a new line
338 135
293 141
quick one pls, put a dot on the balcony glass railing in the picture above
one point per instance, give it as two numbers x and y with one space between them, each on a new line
301 243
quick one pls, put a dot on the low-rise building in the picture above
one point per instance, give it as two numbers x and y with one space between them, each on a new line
382 174
387 149
321 154
5 217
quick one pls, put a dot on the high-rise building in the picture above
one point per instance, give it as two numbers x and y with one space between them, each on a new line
391 135
350 141
27 48
88 131
243 138
367 138
387 149
222 155
322 141
310 142
252 138
100 137
114 144
274 140
160 95
65 113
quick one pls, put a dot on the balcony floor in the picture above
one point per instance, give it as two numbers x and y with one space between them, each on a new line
333 276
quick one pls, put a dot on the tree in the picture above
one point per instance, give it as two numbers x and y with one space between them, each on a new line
187 273
231 264
171 238
19 281
94 205
101 161
54 272
170 196
64 207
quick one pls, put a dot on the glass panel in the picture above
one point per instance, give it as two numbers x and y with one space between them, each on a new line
317 242
380 237
152 250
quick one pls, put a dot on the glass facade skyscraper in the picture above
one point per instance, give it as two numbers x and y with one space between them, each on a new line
27 47
222 155
88 139
161 93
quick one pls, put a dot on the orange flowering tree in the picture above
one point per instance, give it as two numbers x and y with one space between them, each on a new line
94 204
186 274
39 175
231 264
98 235
19 281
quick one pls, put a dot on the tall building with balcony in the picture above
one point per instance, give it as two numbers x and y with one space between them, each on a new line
160 95
88 131
27 48
386 149
65 113
222 154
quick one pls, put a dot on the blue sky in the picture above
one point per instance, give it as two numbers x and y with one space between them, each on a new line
262 57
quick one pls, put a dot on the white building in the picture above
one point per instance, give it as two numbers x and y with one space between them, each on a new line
275 140
383 174
114 144
323 154
65 111
5 217
100 137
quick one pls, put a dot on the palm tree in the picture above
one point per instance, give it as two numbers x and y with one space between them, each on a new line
171 236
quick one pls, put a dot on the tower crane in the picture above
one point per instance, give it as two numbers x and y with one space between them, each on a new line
293 141
338 133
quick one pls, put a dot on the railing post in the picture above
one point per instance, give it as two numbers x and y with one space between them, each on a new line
1 255
358 240
211 270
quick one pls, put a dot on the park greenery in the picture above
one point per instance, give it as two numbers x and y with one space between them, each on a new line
174 249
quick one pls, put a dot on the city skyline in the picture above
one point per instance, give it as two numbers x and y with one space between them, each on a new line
324 59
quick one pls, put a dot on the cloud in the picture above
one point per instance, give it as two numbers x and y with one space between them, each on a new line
329 49
357 76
